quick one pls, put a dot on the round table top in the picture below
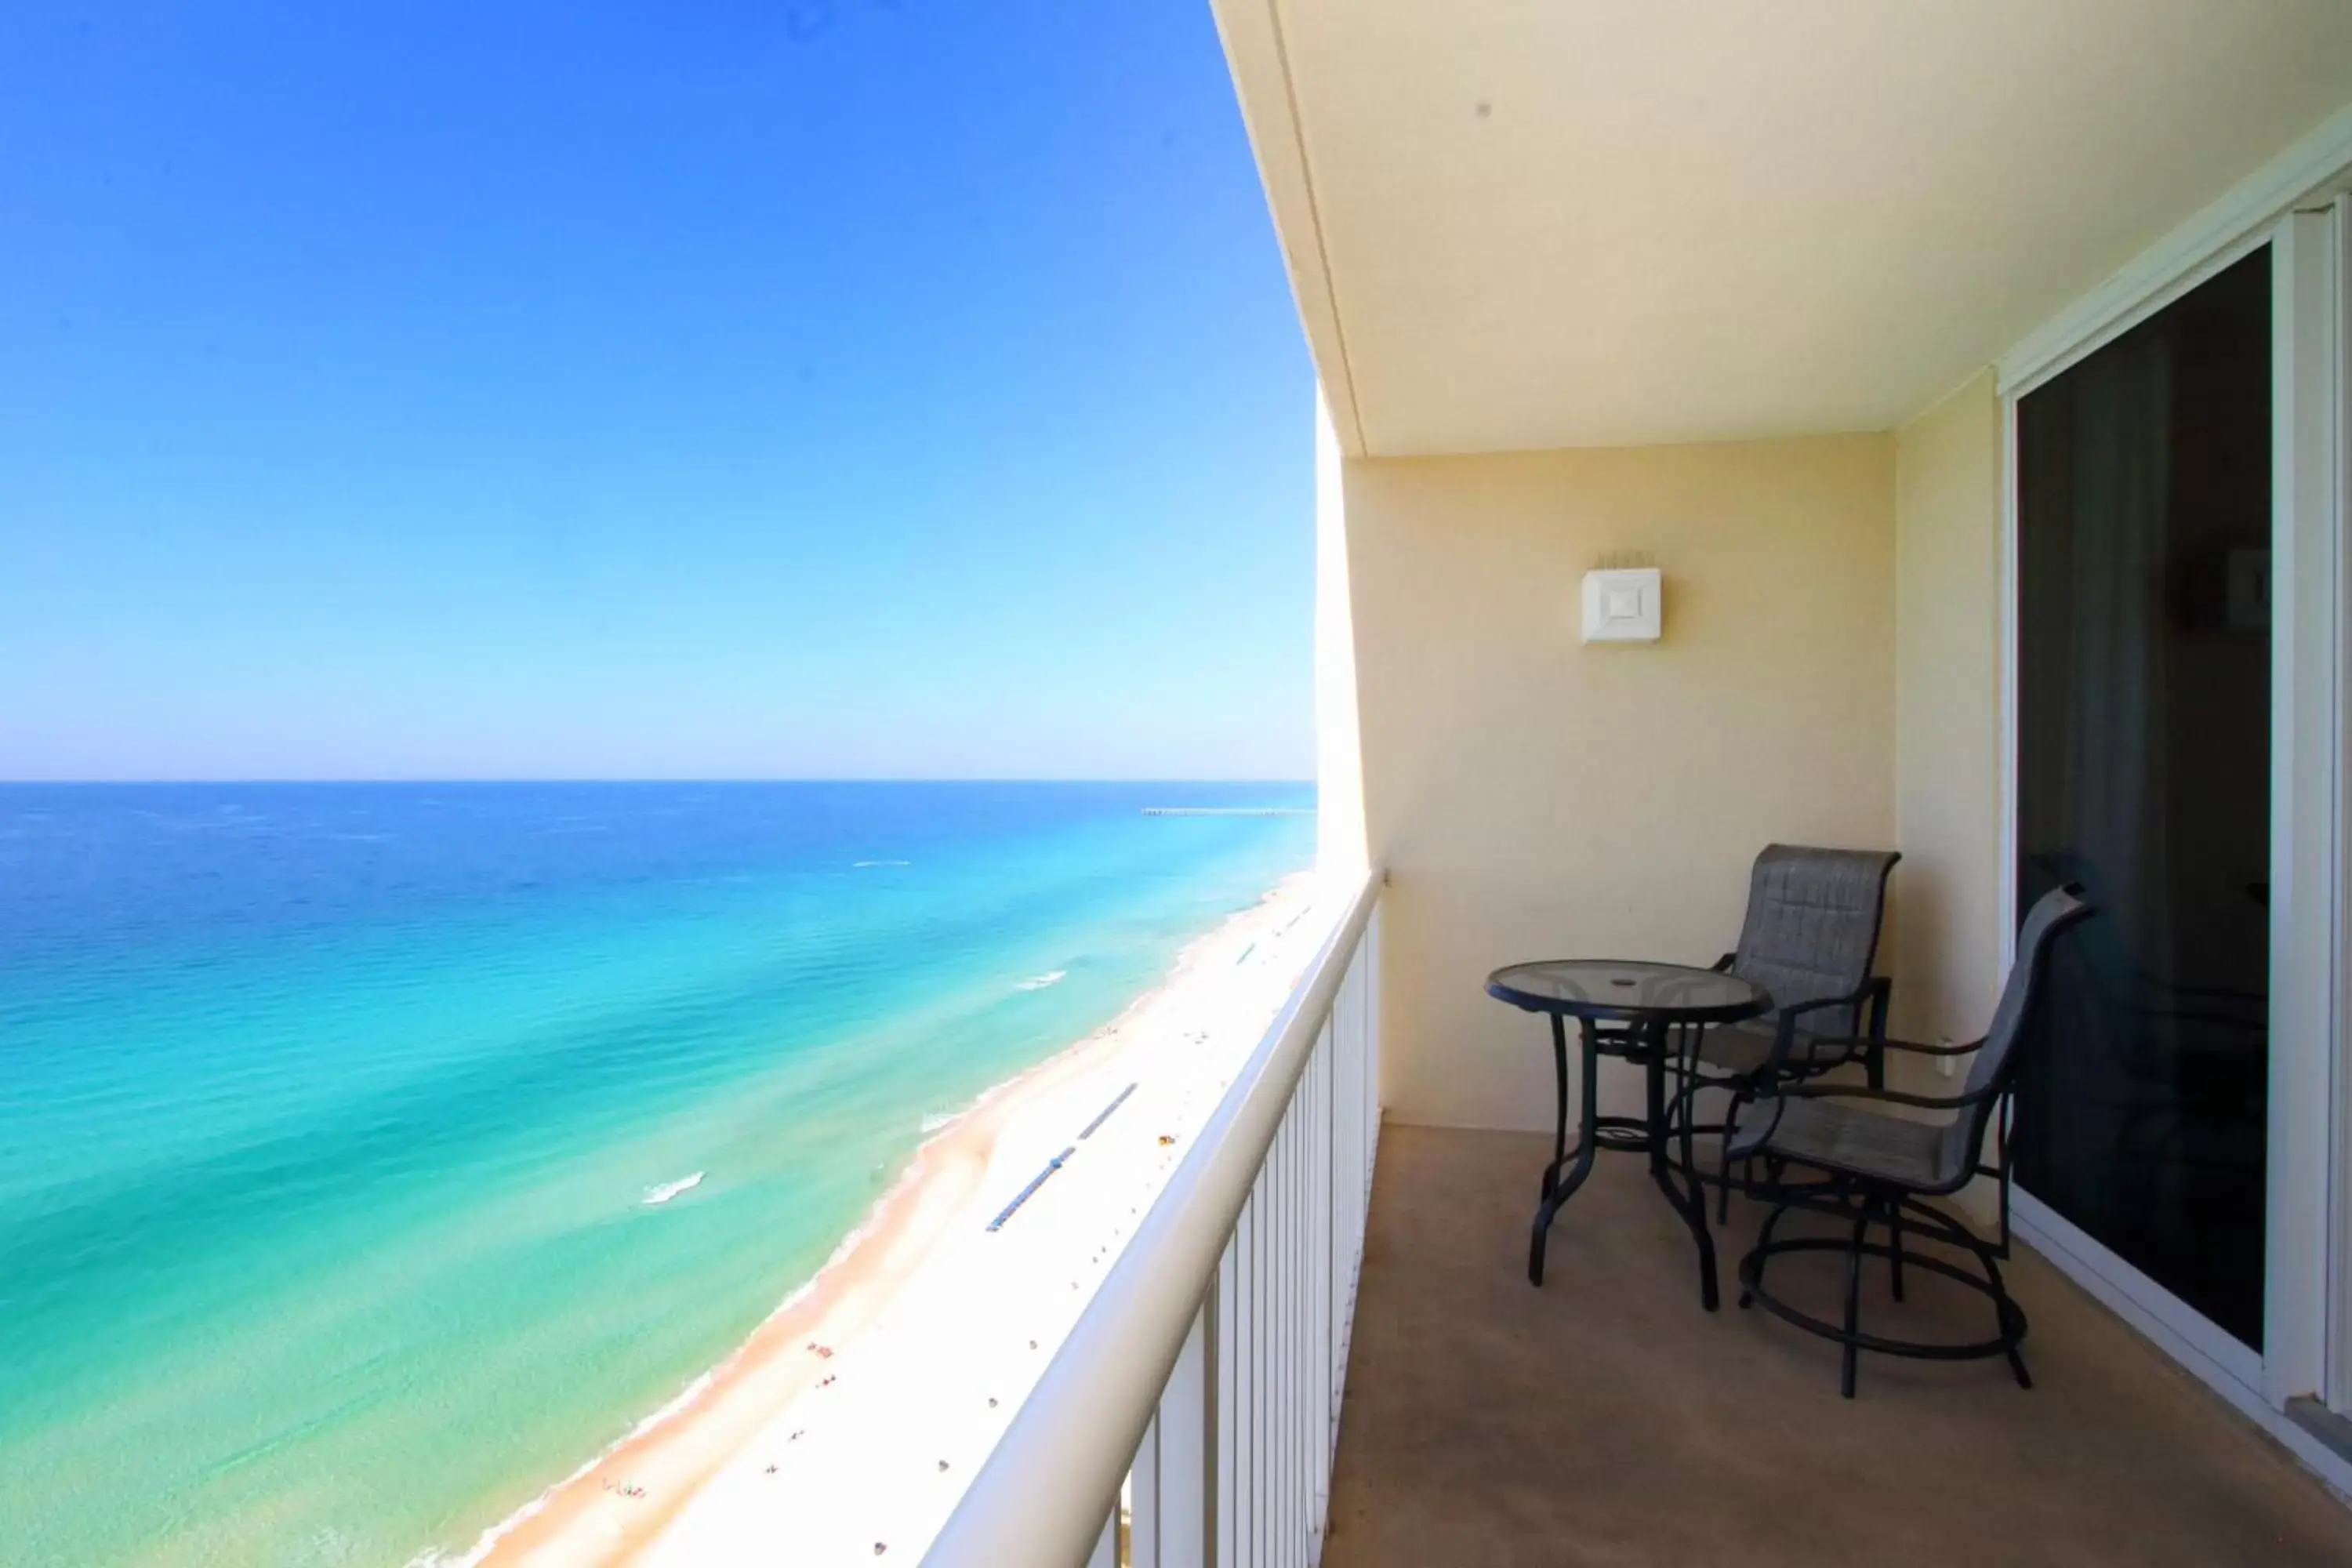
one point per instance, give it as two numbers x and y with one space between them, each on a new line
1629 989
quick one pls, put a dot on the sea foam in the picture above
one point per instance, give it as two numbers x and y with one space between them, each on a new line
668 1190
1039 982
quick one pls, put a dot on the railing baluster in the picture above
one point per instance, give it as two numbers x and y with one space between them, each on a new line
1252 1359
1315 1365
1176 1531
1278 1279
1143 1498
1301 1279
1278 1451
1227 1343
1302 1367
1264 1507
1304 1308
1303 1446
1284 1147
1286 1154
1311 1367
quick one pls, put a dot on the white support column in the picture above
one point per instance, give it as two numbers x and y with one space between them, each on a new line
1340 846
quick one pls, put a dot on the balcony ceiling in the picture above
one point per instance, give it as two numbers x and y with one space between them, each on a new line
1556 223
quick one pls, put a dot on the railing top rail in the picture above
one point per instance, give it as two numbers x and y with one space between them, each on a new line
1039 1500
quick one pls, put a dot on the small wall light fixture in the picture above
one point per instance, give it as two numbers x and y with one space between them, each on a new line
1622 604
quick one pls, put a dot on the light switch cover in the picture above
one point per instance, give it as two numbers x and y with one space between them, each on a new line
1621 606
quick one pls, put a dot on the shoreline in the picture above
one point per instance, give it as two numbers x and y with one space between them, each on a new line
619 1507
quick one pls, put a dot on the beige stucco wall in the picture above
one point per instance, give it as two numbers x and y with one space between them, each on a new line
1339 849
1532 796
1947 931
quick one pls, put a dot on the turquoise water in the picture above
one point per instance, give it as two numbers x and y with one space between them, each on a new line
328 1112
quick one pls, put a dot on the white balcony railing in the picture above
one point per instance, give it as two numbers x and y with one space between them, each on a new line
1207 1370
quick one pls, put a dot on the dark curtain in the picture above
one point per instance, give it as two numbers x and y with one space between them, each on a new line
2143 753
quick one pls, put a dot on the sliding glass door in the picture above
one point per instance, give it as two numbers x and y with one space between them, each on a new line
2143 772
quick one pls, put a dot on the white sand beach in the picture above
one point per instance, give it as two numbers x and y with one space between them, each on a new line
846 1426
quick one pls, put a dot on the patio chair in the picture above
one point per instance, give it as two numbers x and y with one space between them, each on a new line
1881 1167
1810 939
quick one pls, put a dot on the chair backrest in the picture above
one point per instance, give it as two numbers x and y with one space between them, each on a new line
1995 1067
1811 931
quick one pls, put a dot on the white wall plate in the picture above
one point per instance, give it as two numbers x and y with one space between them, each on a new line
1623 605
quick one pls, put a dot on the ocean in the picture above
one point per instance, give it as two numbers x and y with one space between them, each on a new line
372 1155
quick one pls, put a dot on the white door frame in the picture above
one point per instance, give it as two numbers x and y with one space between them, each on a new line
2339 1225
2308 782
2297 206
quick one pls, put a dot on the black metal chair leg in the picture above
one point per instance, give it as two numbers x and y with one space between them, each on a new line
2003 1311
1723 1166
1761 1254
1895 1231
1853 1299
1691 1204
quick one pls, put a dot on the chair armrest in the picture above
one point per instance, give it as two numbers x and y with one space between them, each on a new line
1914 1049
1911 1048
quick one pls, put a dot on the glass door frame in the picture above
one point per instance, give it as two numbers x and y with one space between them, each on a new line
2326 454
2307 1284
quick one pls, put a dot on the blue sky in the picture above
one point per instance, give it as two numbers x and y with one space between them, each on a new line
642 388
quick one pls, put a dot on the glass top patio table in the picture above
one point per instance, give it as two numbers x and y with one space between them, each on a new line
1629 989
1648 1003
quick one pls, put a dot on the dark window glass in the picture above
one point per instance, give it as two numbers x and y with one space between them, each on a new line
2143 663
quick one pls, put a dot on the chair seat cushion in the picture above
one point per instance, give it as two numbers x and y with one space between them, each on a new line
1847 1138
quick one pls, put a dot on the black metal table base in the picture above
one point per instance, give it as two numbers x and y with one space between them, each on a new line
1648 1045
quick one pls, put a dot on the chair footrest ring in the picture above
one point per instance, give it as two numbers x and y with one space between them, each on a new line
2012 1317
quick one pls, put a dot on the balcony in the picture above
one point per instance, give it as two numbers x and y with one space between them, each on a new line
1305 1373
1605 1419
